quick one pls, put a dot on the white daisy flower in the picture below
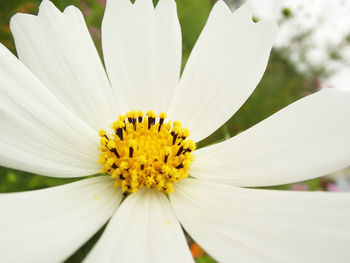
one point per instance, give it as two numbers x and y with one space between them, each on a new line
56 101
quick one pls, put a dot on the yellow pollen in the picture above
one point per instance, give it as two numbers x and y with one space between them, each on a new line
145 152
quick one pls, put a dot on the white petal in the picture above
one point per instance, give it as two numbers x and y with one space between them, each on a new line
224 68
49 225
307 139
144 229
249 225
58 49
142 51
37 133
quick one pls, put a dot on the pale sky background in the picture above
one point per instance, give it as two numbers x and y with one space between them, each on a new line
329 24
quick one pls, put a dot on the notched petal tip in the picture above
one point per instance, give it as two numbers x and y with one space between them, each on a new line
220 6
146 4
165 4
245 10
270 26
47 6
73 11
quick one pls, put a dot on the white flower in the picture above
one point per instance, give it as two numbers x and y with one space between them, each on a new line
56 98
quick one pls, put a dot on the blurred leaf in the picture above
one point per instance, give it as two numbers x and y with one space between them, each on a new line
15 181
192 15
205 259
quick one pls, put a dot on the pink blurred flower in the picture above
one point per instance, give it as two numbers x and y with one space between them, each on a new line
332 187
86 8
299 187
102 2
95 32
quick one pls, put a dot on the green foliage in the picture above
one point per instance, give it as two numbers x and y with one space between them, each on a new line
205 259
313 185
16 181
192 15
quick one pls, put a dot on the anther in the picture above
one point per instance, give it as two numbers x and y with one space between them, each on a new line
140 115
151 118
185 133
162 116
166 158
174 137
111 144
120 133
115 152
131 151
129 117
177 124
121 118
102 133
132 146
179 151
179 166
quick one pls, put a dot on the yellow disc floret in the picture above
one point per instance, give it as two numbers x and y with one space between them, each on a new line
142 152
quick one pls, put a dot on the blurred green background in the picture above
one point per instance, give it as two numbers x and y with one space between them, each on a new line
281 85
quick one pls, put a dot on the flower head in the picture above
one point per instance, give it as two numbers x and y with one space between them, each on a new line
59 117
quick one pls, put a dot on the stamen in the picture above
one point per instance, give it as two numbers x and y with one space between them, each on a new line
140 115
143 153
179 151
162 116
115 152
179 166
174 137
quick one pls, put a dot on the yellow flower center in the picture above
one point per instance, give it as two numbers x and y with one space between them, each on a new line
141 152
